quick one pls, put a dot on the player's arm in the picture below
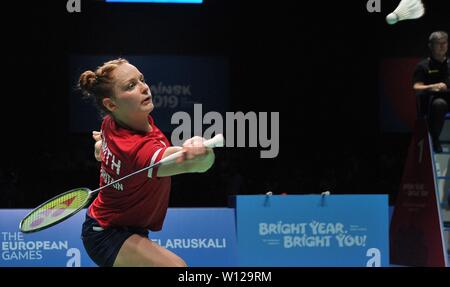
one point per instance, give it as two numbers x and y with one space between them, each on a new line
97 136
196 158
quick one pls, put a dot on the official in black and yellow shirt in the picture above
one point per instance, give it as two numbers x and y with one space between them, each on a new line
432 84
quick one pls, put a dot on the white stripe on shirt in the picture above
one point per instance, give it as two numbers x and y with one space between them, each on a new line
155 155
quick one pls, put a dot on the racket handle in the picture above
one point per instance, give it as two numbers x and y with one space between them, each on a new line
217 141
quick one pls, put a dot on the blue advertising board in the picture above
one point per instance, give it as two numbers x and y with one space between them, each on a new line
313 230
201 236
290 230
206 237
58 246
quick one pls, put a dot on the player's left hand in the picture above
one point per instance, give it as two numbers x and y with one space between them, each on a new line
97 136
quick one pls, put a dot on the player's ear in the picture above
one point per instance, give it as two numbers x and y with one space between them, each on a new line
109 104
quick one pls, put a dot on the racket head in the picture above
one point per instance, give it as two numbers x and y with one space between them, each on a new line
55 210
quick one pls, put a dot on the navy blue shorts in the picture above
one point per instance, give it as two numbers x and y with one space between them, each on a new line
103 245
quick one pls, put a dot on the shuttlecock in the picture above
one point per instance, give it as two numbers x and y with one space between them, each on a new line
407 9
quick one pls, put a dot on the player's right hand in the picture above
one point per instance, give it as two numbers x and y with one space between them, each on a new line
193 148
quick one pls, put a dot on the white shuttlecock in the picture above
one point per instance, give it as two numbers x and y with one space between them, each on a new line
407 9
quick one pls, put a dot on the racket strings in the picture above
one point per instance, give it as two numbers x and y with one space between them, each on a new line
55 210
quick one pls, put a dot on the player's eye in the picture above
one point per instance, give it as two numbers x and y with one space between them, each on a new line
131 85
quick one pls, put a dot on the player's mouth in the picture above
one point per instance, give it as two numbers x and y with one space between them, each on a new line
147 100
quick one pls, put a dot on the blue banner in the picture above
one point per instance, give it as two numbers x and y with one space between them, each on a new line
157 1
58 246
313 230
201 236
274 231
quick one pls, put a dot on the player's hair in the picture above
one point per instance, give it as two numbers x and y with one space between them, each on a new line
436 36
99 84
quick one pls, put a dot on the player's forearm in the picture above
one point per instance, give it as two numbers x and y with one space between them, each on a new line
199 163
97 150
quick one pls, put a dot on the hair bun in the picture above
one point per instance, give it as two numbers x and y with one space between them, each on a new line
87 82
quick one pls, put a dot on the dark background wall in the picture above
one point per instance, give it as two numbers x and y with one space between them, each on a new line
314 62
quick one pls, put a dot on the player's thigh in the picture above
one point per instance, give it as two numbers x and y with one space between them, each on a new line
140 251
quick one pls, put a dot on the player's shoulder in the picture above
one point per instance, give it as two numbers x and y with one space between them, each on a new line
107 122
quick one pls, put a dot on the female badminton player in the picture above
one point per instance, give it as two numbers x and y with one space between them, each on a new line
115 232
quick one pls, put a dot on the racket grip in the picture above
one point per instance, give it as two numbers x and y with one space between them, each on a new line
217 141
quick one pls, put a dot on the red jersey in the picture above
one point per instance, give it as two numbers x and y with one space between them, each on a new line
140 200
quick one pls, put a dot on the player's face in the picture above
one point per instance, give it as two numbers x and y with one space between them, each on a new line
131 93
